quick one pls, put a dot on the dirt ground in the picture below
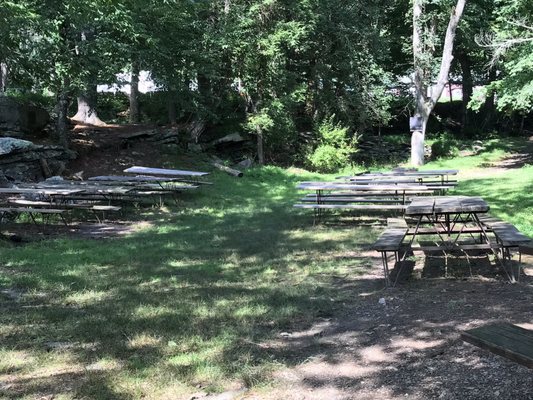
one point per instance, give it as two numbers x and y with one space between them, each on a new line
408 345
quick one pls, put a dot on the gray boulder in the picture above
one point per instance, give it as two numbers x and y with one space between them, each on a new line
17 118
9 145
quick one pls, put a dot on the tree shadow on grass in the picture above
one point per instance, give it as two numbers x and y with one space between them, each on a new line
234 288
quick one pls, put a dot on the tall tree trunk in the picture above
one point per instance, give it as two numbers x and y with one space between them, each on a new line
134 91
490 105
62 115
3 77
425 102
258 132
260 149
171 107
87 108
468 89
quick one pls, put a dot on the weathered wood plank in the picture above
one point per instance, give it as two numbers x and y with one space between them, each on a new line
421 206
390 239
396 223
163 171
352 206
504 339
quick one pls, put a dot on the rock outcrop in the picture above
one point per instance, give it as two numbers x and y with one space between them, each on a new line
22 160
16 119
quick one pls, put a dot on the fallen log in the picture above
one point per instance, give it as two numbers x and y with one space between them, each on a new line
231 171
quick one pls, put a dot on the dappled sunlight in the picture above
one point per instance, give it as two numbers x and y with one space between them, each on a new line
238 290
140 340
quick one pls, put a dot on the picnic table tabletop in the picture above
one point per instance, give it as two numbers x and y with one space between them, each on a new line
355 187
446 205
163 171
40 191
434 172
134 179
85 189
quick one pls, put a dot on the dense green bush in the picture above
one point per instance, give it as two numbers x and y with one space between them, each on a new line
445 146
334 148
44 100
113 107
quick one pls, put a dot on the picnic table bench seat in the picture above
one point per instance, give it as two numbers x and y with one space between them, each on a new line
32 211
366 207
390 239
507 340
507 235
350 199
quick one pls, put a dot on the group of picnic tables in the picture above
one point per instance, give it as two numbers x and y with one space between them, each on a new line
448 223
375 191
98 195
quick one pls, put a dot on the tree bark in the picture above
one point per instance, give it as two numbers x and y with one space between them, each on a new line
468 89
62 115
425 102
87 108
134 92
3 77
171 107
490 105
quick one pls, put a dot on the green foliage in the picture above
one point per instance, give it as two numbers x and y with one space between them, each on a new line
445 146
111 107
43 100
512 44
334 149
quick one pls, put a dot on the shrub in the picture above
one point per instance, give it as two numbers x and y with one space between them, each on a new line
444 146
334 149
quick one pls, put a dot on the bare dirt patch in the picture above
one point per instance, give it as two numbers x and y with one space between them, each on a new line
407 345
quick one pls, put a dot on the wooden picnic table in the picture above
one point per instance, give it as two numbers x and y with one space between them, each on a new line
422 177
40 191
449 220
320 186
349 196
448 215
132 179
164 171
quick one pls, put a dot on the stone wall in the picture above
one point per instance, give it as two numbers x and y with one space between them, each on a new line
17 119
22 161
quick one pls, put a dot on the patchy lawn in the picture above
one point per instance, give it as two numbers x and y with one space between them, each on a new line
235 291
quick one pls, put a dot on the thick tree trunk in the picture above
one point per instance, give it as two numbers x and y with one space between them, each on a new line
3 77
87 108
62 116
134 92
468 89
422 77
171 107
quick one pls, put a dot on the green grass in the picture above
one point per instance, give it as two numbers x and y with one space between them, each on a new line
191 300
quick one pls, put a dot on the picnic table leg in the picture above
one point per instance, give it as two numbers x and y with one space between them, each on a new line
385 268
33 218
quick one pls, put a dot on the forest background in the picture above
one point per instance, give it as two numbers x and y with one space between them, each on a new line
308 80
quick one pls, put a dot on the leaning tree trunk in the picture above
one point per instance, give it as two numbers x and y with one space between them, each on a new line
87 108
422 77
134 92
